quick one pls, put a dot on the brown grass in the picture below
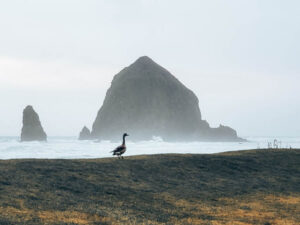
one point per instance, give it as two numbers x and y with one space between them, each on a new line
244 210
25 215
242 188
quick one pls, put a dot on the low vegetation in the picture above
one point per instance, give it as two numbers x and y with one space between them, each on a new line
245 187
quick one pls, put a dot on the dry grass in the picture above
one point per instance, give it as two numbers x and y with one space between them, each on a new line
242 188
244 210
48 217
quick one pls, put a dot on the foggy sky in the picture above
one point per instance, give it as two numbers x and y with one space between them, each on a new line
240 57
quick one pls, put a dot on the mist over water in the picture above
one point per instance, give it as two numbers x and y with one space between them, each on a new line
71 148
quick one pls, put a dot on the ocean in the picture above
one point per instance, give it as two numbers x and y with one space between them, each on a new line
71 148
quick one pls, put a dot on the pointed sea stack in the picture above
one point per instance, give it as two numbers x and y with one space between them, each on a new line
32 129
146 100
85 134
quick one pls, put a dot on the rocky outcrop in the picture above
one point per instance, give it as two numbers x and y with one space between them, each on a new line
224 133
32 129
146 100
85 134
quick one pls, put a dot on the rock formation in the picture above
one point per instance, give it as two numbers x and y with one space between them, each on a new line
85 134
32 129
224 133
145 100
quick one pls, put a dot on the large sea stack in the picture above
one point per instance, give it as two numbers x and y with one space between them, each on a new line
32 129
145 100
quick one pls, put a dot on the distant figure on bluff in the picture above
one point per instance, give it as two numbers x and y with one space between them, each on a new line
119 151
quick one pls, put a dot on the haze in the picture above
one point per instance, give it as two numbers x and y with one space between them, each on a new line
241 58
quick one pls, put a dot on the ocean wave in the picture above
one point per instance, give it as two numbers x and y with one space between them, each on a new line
71 148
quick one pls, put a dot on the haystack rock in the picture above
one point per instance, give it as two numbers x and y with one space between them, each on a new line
146 101
85 134
32 129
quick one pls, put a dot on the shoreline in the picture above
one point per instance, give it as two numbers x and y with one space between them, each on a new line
230 152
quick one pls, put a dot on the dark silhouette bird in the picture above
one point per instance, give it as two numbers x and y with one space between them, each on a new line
119 151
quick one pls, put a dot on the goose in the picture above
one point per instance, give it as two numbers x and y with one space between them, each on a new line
120 150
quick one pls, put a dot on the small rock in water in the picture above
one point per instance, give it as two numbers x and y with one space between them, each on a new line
85 134
32 129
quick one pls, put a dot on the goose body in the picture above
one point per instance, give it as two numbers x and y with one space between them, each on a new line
120 150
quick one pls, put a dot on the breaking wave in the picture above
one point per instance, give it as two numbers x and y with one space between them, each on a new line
71 148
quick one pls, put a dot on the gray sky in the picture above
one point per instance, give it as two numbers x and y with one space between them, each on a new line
240 57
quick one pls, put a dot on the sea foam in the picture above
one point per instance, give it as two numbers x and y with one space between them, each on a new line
71 148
